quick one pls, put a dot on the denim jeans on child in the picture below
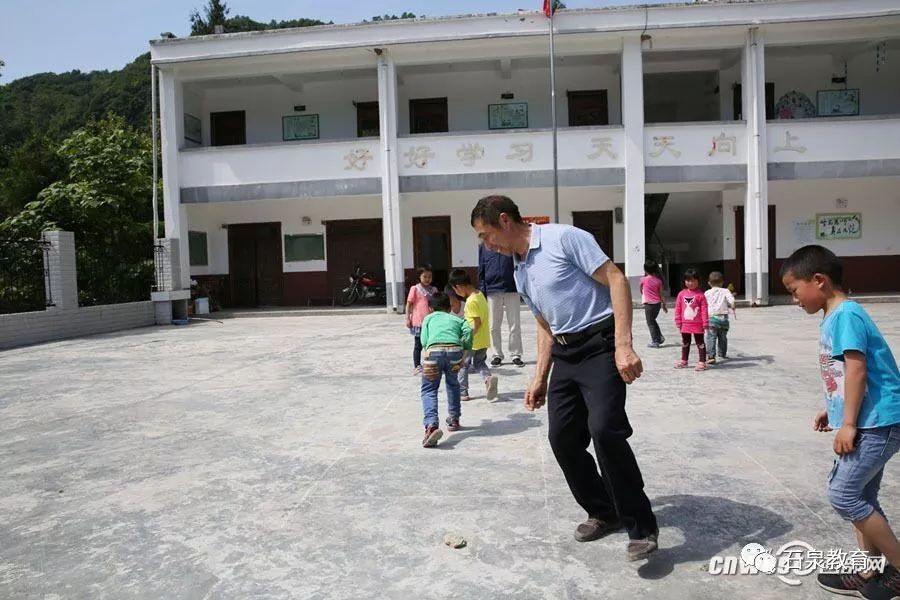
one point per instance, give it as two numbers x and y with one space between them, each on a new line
440 361
717 336
476 360
856 477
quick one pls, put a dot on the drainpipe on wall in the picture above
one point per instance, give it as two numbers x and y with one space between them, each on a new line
154 135
757 209
386 108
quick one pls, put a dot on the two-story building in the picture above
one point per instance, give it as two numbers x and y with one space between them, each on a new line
722 135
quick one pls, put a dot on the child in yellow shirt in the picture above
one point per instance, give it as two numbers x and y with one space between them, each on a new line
477 315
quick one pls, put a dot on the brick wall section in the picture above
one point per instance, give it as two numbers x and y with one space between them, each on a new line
22 329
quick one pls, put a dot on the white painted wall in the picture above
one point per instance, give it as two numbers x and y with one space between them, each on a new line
532 202
692 143
830 140
266 104
691 223
288 161
581 148
209 218
469 94
878 199
879 91
290 213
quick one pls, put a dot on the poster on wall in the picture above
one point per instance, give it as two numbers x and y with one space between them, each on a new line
512 115
537 220
805 231
838 226
833 103
300 127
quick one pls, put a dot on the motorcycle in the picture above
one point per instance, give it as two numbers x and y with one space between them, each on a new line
362 287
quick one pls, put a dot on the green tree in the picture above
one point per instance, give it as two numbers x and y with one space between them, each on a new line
104 199
2 64
28 169
216 13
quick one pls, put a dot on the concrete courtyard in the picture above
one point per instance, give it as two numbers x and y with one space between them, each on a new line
280 458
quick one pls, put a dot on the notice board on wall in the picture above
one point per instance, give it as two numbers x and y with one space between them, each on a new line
838 226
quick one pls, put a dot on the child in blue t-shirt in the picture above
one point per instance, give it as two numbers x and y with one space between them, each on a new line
862 400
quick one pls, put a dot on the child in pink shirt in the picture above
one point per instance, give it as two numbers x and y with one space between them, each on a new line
416 311
691 319
652 298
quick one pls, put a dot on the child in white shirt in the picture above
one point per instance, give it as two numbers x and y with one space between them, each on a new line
720 300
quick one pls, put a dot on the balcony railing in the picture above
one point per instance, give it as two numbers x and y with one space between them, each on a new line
270 163
521 150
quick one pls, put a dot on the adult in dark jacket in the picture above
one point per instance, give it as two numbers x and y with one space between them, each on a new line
495 278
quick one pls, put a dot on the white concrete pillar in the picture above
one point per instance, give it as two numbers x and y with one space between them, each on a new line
62 272
633 123
756 217
171 103
390 182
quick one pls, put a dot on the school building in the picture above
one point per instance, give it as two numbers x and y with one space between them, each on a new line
722 135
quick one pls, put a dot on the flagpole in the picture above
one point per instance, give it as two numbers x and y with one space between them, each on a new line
553 117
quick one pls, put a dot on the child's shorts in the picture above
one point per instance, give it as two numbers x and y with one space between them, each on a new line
856 477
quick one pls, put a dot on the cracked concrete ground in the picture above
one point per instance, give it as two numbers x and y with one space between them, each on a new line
280 458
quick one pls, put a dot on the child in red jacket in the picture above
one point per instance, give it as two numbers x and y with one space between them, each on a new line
691 319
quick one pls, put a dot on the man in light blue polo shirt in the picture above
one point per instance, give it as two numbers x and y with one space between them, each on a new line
582 304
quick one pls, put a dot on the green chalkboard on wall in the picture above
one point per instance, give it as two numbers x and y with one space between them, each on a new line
304 247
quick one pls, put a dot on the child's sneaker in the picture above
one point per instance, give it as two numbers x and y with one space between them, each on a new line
653 345
432 435
491 385
701 366
681 364
886 587
845 584
711 361
453 424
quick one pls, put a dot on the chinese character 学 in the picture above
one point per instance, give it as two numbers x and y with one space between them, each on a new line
418 156
469 153
665 143
723 145
601 146
358 159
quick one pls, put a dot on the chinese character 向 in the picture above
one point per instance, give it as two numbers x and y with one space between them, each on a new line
723 145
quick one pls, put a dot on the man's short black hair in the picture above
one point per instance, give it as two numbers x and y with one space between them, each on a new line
439 302
812 259
690 273
459 277
489 209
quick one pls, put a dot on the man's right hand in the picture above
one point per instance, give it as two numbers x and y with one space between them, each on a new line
536 396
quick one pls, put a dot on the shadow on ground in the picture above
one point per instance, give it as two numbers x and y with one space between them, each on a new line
515 424
710 525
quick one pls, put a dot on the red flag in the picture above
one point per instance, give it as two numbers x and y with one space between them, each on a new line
548 8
